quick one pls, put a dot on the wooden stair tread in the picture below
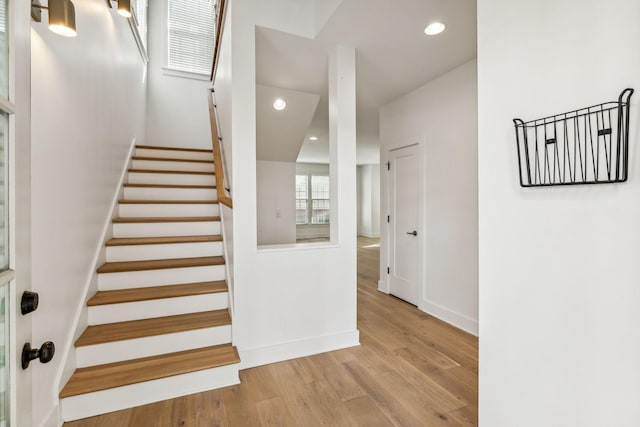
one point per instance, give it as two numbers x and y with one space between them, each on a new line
157 147
156 292
103 377
130 241
168 186
159 264
166 202
171 159
139 219
120 331
135 170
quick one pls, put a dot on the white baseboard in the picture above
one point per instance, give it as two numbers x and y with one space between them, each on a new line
265 355
383 287
454 318
369 235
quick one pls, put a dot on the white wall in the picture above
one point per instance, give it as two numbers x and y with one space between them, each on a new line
559 267
177 107
288 302
276 204
369 200
88 99
442 117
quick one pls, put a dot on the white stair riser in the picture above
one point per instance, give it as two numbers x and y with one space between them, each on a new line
162 229
100 354
168 210
113 313
102 402
150 193
170 178
164 165
168 276
174 154
164 251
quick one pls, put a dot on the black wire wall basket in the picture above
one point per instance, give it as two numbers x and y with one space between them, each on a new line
586 146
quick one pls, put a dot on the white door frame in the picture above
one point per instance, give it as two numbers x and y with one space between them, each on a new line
385 228
20 207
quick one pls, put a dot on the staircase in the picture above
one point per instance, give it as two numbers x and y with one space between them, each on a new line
159 326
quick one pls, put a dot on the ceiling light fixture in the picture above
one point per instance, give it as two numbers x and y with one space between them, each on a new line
279 104
62 16
313 138
434 28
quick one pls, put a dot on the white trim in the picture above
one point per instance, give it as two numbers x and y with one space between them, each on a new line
7 106
136 35
227 267
383 286
168 71
454 318
7 276
369 235
286 247
265 355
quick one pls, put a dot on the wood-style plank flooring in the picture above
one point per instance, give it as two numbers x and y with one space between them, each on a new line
411 370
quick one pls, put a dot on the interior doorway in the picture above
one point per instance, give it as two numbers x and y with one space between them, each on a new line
404 230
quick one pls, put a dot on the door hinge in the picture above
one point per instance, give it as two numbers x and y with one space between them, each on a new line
388 218
388 270
388 166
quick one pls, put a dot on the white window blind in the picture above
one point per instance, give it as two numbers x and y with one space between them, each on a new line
191 35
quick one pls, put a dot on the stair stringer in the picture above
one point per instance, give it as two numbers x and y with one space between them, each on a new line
67 351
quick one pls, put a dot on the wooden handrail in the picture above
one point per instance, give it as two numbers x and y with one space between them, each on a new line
217 155
216 49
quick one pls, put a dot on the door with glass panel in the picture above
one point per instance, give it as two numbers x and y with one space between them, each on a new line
15 329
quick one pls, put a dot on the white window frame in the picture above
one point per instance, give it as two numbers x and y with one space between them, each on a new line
310 200
134 24
166 70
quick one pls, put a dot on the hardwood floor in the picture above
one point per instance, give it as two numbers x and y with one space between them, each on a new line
411 370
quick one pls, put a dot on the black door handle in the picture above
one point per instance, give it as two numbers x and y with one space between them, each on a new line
413 233
44 353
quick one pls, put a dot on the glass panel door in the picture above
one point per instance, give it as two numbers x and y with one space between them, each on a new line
4 353
6 275
4 191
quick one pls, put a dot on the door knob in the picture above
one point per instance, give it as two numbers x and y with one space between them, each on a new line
413 233
44 353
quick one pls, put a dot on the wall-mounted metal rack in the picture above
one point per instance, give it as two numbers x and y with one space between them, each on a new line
585 146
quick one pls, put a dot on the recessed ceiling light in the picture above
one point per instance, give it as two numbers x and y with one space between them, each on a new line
434 28
279 104
313 138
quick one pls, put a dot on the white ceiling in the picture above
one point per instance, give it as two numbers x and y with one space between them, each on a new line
280 134
393 57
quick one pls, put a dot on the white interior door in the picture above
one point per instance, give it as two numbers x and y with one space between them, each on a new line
404 232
